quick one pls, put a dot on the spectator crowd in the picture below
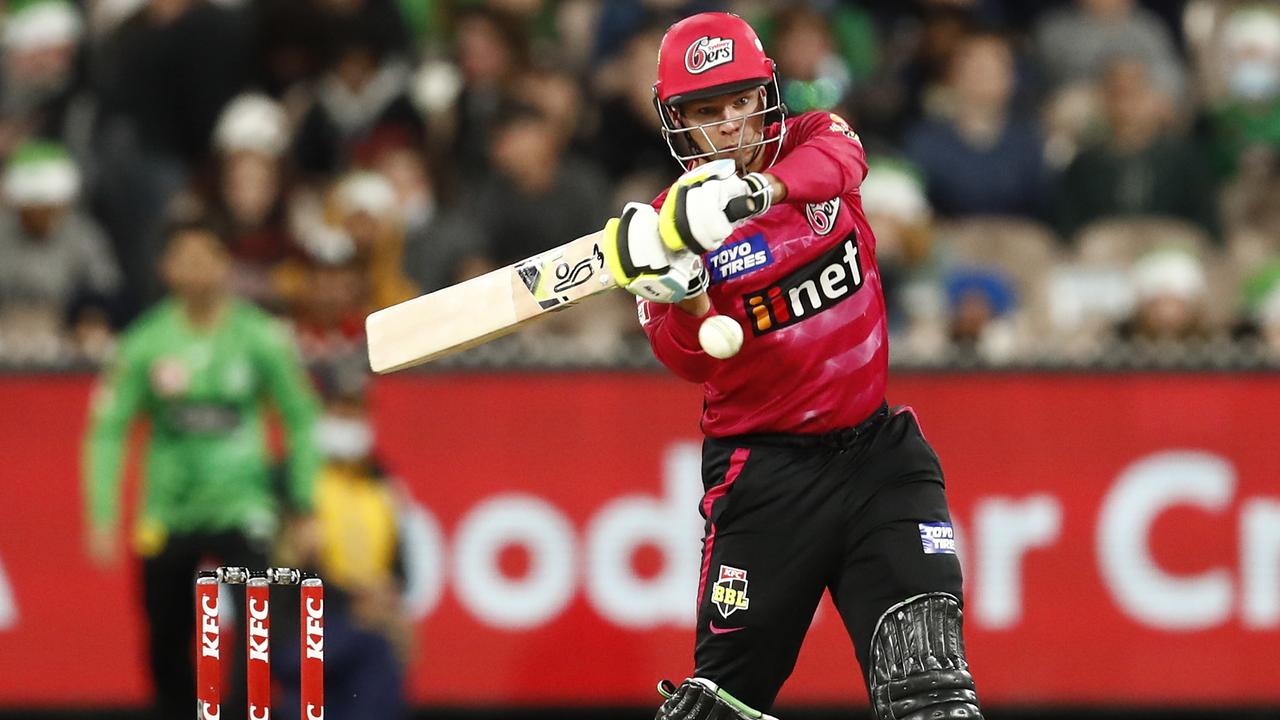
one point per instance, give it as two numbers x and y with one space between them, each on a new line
1052 181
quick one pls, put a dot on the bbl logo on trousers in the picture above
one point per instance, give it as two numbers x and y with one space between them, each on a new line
729 594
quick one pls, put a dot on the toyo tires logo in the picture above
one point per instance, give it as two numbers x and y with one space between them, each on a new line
706 53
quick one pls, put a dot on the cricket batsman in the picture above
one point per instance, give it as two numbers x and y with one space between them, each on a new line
813 483
199 367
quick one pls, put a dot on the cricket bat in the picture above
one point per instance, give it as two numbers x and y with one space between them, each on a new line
475 311
481 309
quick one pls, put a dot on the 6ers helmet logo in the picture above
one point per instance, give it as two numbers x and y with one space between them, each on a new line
706 53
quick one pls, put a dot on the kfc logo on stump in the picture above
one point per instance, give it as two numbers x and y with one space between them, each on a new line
708 52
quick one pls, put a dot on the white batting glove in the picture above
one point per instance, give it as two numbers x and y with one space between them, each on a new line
641 264
696 213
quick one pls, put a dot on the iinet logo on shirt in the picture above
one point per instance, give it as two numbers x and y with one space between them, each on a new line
818 286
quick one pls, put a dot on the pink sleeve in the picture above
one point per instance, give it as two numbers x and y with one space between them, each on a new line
673 335
826 159
662 196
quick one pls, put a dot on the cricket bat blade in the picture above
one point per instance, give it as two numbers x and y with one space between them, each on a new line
475 311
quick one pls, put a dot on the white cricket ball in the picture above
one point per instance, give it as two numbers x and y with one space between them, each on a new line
720 336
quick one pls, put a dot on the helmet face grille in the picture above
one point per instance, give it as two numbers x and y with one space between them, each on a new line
680 137
707 55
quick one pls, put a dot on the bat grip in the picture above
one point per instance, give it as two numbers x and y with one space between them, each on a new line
740 208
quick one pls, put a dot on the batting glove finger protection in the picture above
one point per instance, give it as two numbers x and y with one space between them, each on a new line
639 262
686 277
693 213
702 699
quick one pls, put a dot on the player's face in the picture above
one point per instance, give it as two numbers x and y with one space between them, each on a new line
728 123
196 265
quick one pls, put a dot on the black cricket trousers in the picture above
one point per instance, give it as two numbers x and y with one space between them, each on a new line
860 512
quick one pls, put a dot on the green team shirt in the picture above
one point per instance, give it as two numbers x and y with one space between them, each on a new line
208 465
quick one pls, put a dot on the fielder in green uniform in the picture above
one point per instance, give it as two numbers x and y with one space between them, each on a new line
201 367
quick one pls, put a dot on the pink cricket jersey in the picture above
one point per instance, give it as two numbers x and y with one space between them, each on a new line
802 281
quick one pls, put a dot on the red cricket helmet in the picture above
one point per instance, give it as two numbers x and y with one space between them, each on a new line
703 56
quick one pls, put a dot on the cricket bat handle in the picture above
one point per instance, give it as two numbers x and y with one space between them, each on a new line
740 207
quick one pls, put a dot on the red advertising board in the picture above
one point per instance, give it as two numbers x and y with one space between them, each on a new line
1110 525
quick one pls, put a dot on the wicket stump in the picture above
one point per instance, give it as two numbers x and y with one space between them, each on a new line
258 639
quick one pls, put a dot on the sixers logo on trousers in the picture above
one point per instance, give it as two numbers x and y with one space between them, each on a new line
708 52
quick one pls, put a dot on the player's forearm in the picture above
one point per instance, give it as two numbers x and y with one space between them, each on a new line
298 410
777 187
819 171
292 394
828 161
696 306
304 463
102 456
673 335
102 460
